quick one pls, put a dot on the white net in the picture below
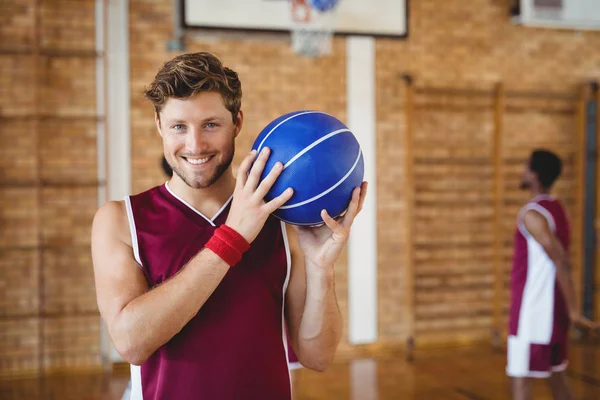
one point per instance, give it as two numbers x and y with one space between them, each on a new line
313 24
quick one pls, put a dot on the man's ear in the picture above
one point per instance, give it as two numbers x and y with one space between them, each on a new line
238 123
157 120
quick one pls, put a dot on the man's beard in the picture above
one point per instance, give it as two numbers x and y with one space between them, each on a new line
193 182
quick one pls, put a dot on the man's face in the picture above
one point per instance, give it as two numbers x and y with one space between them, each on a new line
198 137
529 178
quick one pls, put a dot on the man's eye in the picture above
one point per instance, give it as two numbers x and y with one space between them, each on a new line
178 127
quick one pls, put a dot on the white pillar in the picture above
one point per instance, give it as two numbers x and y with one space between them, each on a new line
114 150
362 246
118 87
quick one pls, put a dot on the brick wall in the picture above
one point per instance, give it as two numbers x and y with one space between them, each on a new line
48 313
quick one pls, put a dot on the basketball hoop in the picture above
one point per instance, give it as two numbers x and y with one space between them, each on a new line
313 23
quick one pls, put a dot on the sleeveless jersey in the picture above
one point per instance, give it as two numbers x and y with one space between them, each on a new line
538 312
236 345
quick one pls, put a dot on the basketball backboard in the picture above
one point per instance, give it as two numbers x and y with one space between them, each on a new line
355 17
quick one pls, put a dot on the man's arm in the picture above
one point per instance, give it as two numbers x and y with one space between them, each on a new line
538 228
140 320
312 312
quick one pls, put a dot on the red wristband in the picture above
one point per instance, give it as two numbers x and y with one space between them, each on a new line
233 238
228 244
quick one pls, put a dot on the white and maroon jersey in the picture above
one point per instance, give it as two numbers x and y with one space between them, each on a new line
236 346
538 312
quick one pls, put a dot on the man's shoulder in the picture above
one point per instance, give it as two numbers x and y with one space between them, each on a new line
111 211
554 206
111 220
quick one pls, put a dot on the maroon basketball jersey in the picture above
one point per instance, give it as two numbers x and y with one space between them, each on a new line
236 346
538 312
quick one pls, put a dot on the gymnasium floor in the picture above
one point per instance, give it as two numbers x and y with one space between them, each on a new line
449 374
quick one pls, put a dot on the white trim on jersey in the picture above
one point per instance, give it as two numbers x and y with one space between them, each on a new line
295 365
136 383
288 257
209 220
134 390
535 207
133 231
222 208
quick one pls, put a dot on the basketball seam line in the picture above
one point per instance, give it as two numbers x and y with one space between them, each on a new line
338 183
313 144
283 122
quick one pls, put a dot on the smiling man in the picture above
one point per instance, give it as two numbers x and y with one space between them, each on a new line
195 279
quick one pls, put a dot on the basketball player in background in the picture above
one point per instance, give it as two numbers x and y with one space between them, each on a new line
194 318
543 302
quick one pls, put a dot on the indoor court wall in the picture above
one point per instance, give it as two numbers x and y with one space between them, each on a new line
451 46
445 125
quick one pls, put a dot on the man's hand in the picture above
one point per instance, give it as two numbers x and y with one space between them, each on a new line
322 245
249 212
582 322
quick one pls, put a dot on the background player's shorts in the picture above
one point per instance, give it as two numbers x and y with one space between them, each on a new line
527 360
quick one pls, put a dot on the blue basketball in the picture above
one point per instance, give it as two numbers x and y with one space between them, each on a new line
322 161
324 5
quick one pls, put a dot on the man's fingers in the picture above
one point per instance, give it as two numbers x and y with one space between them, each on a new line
267 183
257 169
280 200
242 175
363 194
352 210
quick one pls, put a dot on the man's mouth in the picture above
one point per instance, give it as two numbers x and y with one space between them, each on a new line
198 160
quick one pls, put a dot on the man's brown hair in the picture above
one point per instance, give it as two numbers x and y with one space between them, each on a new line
189 74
